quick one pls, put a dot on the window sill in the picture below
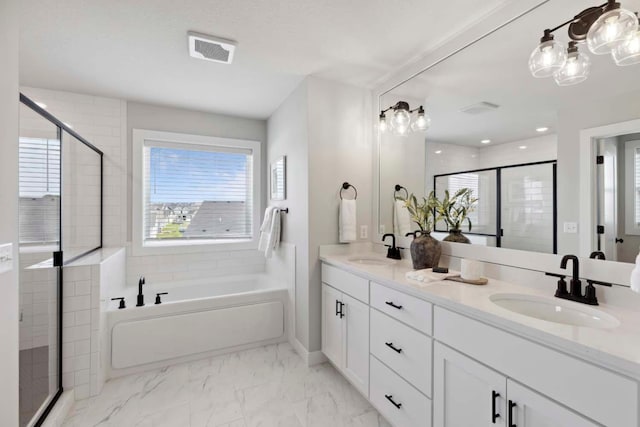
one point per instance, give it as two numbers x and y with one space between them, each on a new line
192 246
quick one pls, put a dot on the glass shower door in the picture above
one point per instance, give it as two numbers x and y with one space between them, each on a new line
527 207
39 284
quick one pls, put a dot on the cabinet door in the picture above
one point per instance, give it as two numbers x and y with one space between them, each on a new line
466 393
534 410
331 325
356 343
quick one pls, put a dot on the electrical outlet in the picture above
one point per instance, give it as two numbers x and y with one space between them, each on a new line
364 232
6 257
571 227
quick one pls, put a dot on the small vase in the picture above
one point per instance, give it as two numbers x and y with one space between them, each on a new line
457 237
425 251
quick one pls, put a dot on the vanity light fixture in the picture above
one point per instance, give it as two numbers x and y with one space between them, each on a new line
542 129
485 141
401 122
606 28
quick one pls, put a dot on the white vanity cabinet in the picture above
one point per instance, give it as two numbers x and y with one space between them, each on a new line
345 325
467 393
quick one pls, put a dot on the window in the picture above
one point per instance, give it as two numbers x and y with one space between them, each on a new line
39 184
632 187
195 190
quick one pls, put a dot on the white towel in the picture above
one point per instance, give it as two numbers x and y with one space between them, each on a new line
401 219
347 221
269 231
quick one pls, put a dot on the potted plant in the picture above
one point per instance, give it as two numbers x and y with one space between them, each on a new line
425 250
455 211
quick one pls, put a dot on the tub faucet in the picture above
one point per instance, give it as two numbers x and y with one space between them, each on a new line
140 295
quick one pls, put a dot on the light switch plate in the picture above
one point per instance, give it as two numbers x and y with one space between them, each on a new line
571 227
364 232
6 257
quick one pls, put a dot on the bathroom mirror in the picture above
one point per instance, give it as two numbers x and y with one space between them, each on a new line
515 140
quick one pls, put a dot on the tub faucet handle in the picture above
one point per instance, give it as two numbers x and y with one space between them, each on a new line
158 300
121 305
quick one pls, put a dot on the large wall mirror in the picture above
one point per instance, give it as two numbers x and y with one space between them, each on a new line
515 140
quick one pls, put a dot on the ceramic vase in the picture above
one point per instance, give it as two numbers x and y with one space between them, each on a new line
425 251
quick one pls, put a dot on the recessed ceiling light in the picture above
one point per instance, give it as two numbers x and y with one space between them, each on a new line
523 147
485 141
41 105
438 151
67 125
542 129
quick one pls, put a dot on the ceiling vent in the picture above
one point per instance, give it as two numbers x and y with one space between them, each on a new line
211 48
479 108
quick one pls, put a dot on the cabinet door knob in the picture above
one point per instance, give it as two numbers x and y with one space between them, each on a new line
399 307
392 347
390 399
494 415
510 422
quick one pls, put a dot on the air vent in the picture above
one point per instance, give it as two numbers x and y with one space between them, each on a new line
211 48
479 108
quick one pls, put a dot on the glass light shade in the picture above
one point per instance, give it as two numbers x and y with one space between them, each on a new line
400 130
382 123
421 123
547 58
400 119
610 29
575 70
628 51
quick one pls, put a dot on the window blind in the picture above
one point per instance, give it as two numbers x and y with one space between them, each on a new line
39 189
472 181
197 192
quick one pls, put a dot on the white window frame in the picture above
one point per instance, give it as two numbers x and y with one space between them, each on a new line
631 193
139 248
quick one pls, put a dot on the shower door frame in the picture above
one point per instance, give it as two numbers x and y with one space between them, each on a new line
58 257
498 169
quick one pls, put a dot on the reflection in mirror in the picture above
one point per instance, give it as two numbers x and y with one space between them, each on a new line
515 141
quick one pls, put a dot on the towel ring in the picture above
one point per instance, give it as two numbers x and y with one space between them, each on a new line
398 188
345 186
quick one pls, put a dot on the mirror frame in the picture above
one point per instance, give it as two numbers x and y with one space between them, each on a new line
610 271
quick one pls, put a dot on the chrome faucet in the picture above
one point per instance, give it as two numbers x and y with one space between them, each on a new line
141 282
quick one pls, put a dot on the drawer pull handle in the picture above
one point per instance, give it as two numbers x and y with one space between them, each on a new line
510 421
392 347
390 399
494 414
399 307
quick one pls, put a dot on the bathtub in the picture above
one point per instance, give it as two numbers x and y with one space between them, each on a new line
195 320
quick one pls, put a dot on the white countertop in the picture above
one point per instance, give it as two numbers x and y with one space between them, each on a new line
617 348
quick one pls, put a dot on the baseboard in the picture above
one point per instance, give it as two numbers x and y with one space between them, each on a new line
310 358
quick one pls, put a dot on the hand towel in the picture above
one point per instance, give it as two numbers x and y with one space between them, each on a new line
427 275
274 234
347 221
401 219
265 228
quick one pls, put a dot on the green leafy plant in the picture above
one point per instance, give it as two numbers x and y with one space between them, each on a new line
455 209
423 213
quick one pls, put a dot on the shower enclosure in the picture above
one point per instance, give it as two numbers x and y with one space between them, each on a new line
60 220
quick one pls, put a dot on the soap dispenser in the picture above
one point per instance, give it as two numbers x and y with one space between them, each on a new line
635 276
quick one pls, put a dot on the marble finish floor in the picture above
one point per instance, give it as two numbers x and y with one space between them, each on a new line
263 387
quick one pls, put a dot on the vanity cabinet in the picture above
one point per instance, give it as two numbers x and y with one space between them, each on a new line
467 393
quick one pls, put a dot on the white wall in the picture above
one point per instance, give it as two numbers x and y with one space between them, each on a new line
9 202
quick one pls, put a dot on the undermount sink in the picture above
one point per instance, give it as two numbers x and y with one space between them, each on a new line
554 310
371 261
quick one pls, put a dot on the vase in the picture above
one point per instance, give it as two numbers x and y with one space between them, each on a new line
425 251
456 236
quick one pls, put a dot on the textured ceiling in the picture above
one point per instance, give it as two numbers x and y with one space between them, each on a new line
137 49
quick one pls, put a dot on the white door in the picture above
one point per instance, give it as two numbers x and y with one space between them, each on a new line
534 410
356 343
465 392
332 324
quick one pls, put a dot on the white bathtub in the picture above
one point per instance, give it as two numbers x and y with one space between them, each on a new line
195 321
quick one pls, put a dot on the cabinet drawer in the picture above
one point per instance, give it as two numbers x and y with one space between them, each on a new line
410 310
386 386
597 393
346 282
403 349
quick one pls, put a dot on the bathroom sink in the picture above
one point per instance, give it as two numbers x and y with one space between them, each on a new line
371 261
555 310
